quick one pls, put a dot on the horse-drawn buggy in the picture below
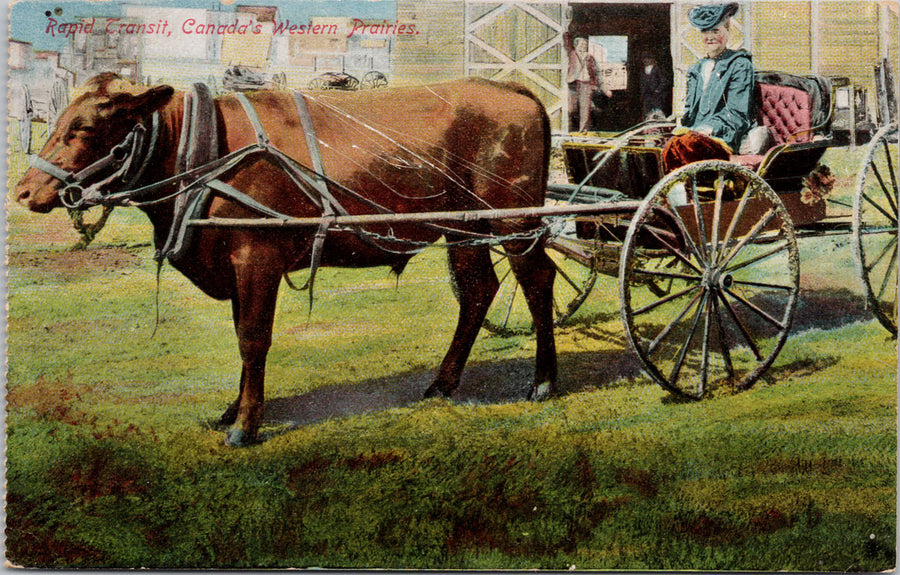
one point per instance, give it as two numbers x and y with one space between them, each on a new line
245 188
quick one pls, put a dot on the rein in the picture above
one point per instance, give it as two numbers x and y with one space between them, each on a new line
128 160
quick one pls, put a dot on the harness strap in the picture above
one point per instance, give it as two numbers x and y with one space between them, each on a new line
154 137
240 197
312 145
261 136
197 146
181 157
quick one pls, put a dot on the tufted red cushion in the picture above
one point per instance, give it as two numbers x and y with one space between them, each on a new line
786 111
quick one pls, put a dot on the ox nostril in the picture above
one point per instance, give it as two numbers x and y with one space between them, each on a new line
24 195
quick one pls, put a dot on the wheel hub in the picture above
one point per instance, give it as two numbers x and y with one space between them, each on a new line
714 279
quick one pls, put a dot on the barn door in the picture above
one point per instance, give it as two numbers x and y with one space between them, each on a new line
520 41
687 45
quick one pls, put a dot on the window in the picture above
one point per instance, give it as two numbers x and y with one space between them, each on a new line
611 55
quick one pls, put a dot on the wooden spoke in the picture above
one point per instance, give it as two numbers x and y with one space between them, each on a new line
509 306
717 214
752 235
763 285
566 277
675 252
887 276
723 341
704 354
664 300
738 213
682 355
665 332
884 252
672 275
748 339
757 258
701 226
682 229
884 188
760 312
877 206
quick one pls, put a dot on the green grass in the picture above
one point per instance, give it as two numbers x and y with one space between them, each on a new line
112 461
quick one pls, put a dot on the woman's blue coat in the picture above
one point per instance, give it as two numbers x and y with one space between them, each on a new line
726 103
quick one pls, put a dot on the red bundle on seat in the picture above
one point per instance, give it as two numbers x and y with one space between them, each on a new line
692 147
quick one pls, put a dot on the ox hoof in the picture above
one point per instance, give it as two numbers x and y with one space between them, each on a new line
434 390
228 417
239 438
541 391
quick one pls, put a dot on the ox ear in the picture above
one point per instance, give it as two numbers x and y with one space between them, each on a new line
141 102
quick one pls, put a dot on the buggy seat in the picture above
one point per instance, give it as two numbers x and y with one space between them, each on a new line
795 110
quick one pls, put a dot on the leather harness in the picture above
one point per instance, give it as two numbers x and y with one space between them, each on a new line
199 168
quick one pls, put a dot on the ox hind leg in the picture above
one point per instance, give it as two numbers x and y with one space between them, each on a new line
476 283
535 272
253 310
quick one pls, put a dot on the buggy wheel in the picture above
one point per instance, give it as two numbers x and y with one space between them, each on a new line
728 307
373 79
875 226
575 277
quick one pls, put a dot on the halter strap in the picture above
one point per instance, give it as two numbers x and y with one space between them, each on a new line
128 159
52 169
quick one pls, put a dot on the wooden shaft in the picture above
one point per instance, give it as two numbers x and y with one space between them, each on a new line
624 208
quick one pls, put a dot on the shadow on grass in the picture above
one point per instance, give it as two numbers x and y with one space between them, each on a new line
829 309
508 381
482 384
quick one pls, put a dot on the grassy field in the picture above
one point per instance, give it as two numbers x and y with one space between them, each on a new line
113 460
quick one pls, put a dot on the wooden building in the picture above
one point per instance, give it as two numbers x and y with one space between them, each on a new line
523 41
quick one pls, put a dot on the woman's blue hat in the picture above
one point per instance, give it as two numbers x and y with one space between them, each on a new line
709 16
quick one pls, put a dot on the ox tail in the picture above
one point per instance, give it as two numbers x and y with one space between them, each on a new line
545 128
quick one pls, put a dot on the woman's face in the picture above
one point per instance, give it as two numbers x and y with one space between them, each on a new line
716 40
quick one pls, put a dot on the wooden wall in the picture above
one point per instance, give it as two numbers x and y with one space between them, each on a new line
831 37
436 53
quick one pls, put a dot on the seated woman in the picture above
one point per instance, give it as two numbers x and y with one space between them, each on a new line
719 94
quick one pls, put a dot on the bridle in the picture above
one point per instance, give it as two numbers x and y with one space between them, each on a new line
124 164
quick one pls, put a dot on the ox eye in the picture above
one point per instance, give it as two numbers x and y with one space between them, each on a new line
80 132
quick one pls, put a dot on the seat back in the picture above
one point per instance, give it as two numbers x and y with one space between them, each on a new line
787 111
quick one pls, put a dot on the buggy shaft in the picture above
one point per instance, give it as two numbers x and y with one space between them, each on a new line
620 208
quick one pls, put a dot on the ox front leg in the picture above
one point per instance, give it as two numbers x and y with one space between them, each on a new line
254 315
535 272
476 283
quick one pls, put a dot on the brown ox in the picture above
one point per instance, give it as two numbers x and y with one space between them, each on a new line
468 144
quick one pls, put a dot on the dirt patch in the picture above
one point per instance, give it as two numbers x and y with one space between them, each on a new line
316 330
74 264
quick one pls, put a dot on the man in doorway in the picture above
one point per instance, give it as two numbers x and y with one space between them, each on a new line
653 87
718 104
583 80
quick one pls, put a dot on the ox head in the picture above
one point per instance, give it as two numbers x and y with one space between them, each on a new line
91 129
